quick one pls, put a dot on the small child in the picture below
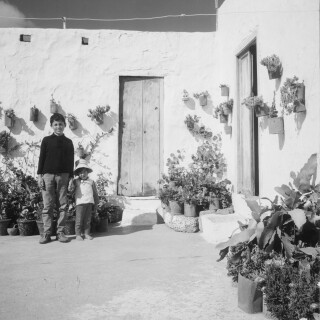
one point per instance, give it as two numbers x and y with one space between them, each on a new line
86 197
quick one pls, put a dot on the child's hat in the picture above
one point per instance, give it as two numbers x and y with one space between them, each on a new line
82 164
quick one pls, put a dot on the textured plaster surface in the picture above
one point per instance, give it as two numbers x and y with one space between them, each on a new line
145 272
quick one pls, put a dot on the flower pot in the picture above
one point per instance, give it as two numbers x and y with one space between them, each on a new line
301 92
299 107
73 125
223 118
8 122
203 100
102 225
275 74
226 109
224 91
175 207
115 215
27 227
249 295
13 231
69 228
190 210
3 226
214 204
34 114
98 119
227 129
53 107
53 227
276 125
261 110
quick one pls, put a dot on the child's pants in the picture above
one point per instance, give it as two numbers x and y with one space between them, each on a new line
83 218
55 192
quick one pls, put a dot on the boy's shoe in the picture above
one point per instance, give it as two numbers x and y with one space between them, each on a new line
62 238
88 237
79 238
45 238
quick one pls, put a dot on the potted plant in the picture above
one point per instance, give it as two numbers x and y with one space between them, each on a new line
275 123
213 201
97 114
293 95
191 122
227 106
273 65
72 121
224 90
34 114
69 228
256 104
219 112
174 196
4 141
27 222
4 222
185 96
54 106
9 117
202 96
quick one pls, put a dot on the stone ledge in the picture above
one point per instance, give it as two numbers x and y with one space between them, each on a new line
179 222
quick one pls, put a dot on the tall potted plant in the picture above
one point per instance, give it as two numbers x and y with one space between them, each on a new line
273 65
9 117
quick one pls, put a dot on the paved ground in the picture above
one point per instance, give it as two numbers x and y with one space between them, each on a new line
147 272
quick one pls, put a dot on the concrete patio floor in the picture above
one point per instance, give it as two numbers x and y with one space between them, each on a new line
132 272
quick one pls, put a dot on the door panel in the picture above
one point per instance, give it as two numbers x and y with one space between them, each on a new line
139 141
151 136
246 160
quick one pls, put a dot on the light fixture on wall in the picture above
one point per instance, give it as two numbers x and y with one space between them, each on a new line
25 37
85 41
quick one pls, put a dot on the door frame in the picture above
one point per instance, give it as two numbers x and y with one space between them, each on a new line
161 120
244 46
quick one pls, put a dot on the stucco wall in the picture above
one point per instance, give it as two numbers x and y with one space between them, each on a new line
289 29
81 77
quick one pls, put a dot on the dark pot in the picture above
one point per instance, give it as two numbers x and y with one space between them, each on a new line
8 122
3 226
276 125
249 296
261 110
27 227
69 228
115 215
203 100
99 119
299 107
73 124
175 207
102 226
190 210
34 114
13 231
53 107
275 74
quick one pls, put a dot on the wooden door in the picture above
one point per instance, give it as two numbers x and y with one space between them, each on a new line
246 168
139 140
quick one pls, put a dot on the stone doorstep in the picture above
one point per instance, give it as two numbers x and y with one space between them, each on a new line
141 203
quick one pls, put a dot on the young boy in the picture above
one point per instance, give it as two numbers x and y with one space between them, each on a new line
55 170
86 196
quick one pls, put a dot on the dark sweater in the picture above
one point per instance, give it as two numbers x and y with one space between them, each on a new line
56 155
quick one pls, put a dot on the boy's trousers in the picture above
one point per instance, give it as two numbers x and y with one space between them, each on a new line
55 192
83 218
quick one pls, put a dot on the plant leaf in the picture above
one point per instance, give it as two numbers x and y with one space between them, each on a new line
288 246
273 222
299 217
255 208
237 238
259 230
310 251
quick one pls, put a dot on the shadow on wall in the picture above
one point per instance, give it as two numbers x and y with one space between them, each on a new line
299 118
109 121
281 139
190 103
209 107
21 125
42 120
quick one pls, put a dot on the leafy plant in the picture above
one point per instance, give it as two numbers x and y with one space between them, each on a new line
10 113
97 113
253 102
203 93
4 140
289 95
223 108
271 62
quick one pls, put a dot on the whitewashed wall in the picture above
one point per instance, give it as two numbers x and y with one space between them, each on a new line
289 29
81 77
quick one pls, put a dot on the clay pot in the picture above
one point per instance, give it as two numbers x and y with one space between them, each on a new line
13 231
3 226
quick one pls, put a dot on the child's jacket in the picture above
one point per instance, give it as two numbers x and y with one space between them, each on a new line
85 191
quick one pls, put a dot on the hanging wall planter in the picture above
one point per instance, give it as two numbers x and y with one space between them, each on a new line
185 96
257 105
53 106
202 96
293 96
223 118
224 90
9 117
72 121
276 125
261 110
34 114
273 65
227 129
97 114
